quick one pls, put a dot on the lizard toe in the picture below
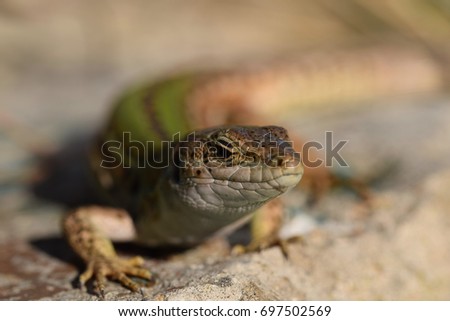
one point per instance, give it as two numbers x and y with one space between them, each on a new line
261 244
137 261
123 279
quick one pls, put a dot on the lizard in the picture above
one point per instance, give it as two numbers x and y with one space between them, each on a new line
182 158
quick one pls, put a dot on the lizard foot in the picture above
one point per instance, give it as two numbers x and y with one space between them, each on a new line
101 268
261 244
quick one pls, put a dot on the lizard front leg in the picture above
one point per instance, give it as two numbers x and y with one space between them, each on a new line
88 230
265 226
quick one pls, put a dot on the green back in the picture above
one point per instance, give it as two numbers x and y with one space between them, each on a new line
148 115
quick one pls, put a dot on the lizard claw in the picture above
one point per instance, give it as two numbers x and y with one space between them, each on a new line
115 268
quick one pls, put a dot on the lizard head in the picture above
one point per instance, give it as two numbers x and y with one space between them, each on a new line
234 169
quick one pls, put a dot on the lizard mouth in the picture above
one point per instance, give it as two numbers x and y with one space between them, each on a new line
244 185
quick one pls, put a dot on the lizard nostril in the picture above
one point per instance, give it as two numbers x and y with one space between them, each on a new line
293 162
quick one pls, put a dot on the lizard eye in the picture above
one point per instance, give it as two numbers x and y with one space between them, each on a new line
223 149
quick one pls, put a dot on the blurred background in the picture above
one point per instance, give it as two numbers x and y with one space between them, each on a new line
63 59
62 62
